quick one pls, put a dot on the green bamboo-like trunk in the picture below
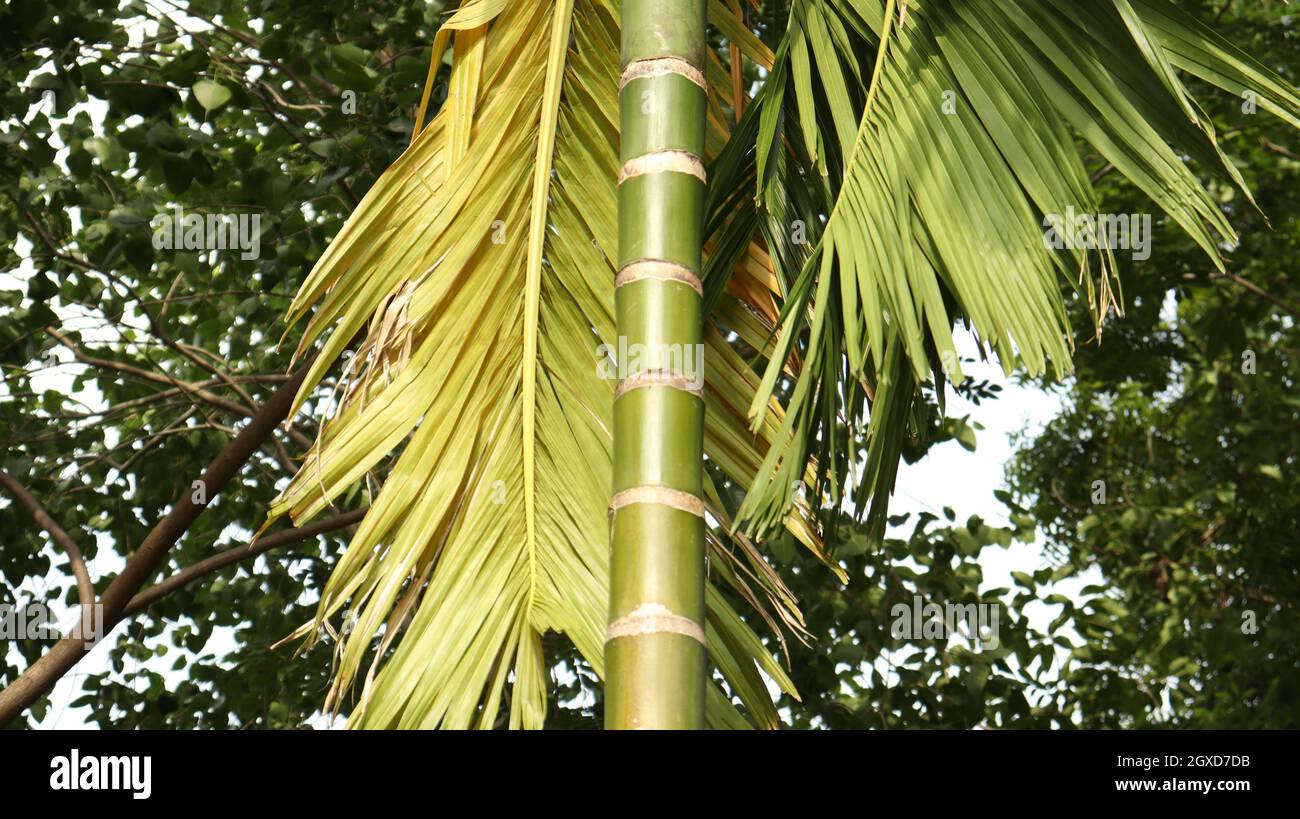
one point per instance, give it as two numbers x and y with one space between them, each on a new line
656 663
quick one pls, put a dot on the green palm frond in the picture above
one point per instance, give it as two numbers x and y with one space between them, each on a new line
480 267
927 166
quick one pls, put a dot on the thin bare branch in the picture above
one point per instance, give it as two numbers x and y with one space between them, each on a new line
85 588
33 683
220 560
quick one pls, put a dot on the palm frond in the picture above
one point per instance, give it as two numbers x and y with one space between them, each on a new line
482 265
933 160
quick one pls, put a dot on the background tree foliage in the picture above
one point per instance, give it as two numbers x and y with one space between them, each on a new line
291 110
305 105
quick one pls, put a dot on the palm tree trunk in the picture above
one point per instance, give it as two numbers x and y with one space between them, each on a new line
656 664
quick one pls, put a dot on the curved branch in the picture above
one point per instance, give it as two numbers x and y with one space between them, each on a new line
85 588
41 675
194 391
1259 291
155 326
107 364
221 560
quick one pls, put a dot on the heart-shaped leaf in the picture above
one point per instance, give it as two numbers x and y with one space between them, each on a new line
211 95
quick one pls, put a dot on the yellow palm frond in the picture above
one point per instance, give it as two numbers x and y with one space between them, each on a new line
481 268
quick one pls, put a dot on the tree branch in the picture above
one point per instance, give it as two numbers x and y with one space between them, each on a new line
158 378
1259 291
41 676
195 391
85 588
220 560
155 326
